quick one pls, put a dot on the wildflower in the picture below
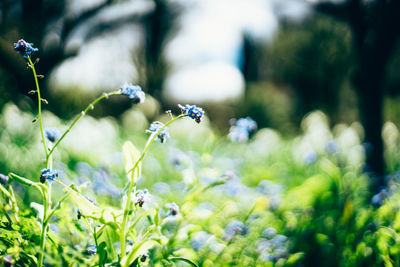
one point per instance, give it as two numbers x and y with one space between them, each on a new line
155 128
52 134
193 112
233 228
269 233
240 129
134 92
141 197
173 209
130 242
332 147
3 179
238 135
24 48
91 250
200 239
379 199
247 124
48 174
310 157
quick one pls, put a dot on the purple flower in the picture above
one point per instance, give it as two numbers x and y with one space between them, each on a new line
24 48
134 92
193 112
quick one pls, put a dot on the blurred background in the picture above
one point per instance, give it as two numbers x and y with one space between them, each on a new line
272 60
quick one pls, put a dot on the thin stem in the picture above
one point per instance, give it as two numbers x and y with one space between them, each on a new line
39 105
83 113
44 228
126 209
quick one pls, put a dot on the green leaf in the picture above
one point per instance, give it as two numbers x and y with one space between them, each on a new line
20 179
102 254
131 156
183 259
138 250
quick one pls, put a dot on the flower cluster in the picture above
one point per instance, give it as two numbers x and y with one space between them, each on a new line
24 48
52 134
134 92
241 129
193 112
163 135
173 209
272 246
48 174
233 228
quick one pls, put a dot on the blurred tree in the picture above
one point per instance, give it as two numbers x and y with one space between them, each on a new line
52 24
375 30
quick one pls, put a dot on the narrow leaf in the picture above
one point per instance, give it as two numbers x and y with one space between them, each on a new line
131 155
183 259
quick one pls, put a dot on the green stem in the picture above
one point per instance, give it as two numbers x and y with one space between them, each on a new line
126 209
39 105
44 227
83 113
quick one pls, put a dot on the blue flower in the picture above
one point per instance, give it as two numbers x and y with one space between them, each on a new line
134 92
163 135
52 134
193 112
247 124
91 250
141 197
3 179
24 48
233 228
173 209
49 175
241 128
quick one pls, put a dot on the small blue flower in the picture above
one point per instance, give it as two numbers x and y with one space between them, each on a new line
134 92
233 228
310 157
173 209
269 233
193 112
163 135
246 123
52 134
240 129
24 48
49 175
3 179
91 250
141 197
